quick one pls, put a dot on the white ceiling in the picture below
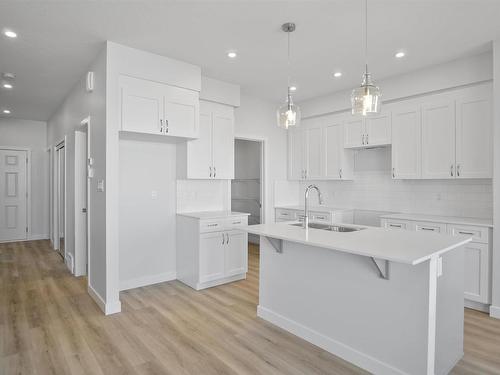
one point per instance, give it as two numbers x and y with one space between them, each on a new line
58 40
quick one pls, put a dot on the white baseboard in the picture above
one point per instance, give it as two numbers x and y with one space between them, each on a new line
225 280
341 350
495 312
147 280
476 306
70 263
33 237
107 308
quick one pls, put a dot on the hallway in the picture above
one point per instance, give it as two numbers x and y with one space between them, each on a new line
50 325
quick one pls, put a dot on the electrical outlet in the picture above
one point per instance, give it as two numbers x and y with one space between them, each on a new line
100 186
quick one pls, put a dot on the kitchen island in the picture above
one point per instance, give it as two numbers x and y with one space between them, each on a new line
390 302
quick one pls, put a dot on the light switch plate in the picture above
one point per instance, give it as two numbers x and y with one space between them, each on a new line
100 186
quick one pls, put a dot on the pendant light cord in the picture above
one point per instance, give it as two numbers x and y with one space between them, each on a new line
288 64
366 36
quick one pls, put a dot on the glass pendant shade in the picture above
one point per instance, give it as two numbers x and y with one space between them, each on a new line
288 115
365 99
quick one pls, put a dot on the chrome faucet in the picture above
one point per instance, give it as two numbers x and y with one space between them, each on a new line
305 217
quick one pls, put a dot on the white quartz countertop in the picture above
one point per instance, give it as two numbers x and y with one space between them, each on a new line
441 219
213 214
314 208
393 245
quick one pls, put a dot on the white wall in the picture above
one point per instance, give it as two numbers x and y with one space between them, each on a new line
32 135
374 189
203 195
78 105
495 309
256 118
147 213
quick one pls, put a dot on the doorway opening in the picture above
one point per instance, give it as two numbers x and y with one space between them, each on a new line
60 198
14 193
82 154
247 188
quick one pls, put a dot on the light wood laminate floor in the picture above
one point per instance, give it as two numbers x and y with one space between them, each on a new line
50 325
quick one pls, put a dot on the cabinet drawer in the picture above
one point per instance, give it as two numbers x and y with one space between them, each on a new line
479 234
236 222
399 225
430 227
320 217
211 225
285 215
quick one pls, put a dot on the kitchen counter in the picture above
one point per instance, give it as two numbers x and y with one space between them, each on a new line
395 246
390 302
441 219
204 215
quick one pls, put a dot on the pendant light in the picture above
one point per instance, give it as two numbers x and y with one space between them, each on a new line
288 115
365 99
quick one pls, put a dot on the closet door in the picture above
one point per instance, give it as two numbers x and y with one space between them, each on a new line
474 135
406 142
438 139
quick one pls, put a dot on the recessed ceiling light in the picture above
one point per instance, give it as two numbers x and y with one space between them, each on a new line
7 86
400 54
232 54
10 33
337 74
293 88
6 111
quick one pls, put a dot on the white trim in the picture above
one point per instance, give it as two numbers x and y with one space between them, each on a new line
341 350
70 263
35 237
147 280
225 280
495 312
476 305
107 308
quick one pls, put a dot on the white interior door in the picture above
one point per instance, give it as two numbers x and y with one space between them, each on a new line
223 144
236 253
13 191
406 143
61 199
438 140
474 136
81 205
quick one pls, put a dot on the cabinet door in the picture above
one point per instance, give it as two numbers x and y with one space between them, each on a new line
378 129
438 140
406 143
296 146
334 146
199 151
141 106
236 253
474 136
314 153
354 132
211 260
476 272
223 143
181 112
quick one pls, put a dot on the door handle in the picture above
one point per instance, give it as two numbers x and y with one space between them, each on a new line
215 171
84 210
458 170
340 173
451 170
161 125
223 238
393 173
227 238
366 138
210 172
166 126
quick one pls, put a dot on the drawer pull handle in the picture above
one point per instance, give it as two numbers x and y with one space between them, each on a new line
284 214
236 222
321 217
467 233
395 225
428 229
212 225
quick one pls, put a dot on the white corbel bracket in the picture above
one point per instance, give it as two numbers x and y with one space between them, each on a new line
276 243
382 268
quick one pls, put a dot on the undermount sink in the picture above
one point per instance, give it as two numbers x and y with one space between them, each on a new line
332 228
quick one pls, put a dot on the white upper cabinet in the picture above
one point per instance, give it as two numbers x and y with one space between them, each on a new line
474 152
296 154
406 142
438 139
153 108
338 161
314 149
211 156
371 131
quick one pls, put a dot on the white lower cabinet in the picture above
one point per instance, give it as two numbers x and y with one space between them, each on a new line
477 256
211 252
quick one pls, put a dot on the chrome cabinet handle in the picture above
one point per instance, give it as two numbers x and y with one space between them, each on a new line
166 126
393 172
161 125
236 222
366 138
429 229
215 172
458 170
223 238
212 225
362 139
227 238
395 225
466 233
451 170
340 173
210 172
